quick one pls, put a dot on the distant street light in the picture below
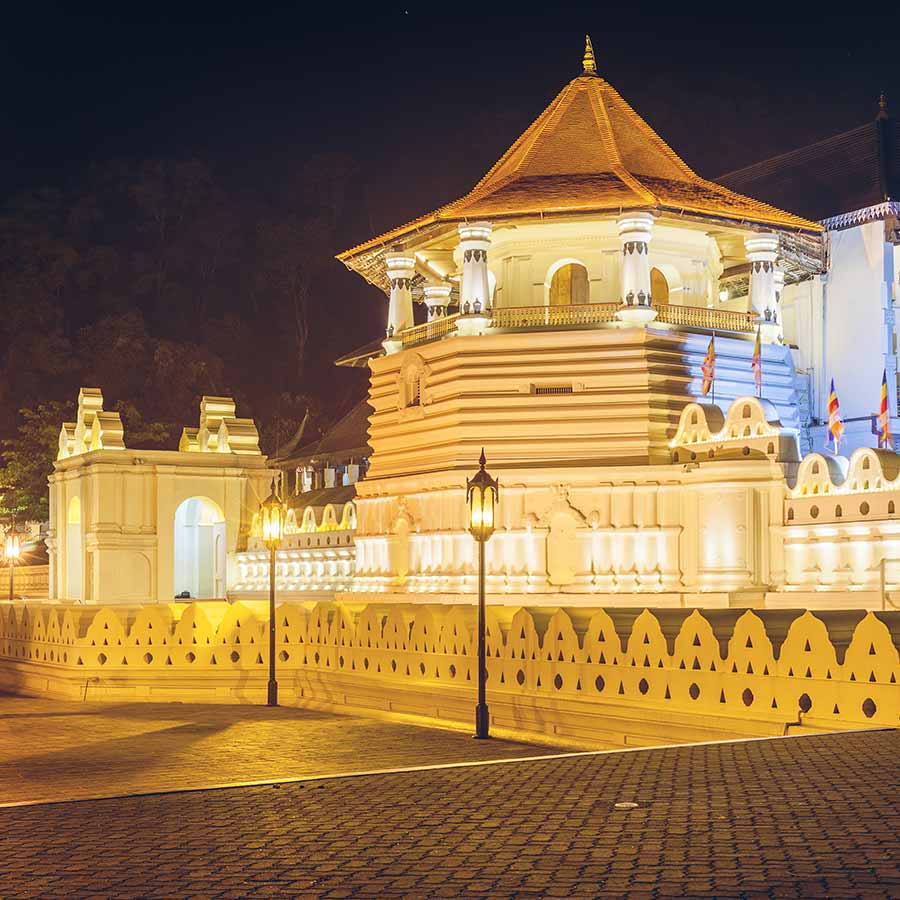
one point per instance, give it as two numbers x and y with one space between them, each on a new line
482 492
12 554
272 516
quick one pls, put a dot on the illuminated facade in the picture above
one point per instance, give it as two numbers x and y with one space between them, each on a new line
145 526
558 316
567 303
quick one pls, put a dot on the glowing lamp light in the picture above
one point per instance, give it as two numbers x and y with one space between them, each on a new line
12 546
272 516
12 555
723 295
482 493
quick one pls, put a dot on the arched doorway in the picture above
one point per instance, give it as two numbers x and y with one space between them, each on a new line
74 572
199 549
569 285
659 286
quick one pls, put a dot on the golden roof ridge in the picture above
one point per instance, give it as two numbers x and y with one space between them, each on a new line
560 160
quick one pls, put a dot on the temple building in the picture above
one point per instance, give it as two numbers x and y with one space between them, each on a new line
641 353
559 315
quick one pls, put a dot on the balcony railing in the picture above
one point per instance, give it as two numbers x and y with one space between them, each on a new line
585 314
707 319
553 316
429 331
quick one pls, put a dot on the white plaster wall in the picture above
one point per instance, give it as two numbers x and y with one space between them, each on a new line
521 257
128 504
858 342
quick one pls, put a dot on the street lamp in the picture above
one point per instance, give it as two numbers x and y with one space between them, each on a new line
12 554
272 516
482 492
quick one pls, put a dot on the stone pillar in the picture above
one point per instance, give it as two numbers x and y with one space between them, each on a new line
635 230
778 309
475 290
400 271
761 252
437 299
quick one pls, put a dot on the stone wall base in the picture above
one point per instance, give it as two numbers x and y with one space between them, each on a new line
563 722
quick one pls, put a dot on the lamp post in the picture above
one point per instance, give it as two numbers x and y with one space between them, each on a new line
272 516
482 492
12 554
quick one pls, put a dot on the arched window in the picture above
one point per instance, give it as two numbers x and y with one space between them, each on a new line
570 285
659 287
412 383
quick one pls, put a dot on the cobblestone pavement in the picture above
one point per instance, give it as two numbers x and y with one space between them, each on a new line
803 817
51 750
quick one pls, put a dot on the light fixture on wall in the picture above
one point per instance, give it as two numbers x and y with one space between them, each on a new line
723 295
482 493
12 551
272 514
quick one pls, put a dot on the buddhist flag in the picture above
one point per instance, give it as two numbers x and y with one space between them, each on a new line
885 439
835 422
709 366
756 364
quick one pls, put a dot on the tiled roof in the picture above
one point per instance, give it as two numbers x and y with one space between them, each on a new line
346 439
338 496
589 151
855 170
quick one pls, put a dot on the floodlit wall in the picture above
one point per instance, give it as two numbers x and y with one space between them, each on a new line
590 675
844 326
524 258
115 527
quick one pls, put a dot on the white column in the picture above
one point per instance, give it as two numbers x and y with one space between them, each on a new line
474 291
761 252
778 309
437 299
635 231
400 272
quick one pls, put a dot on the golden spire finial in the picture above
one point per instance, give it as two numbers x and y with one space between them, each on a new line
588 61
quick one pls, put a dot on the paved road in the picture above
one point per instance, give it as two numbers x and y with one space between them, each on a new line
57 751
801 817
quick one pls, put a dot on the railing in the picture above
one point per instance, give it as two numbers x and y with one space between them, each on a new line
553 316
583 314
429 331
702 317
32 582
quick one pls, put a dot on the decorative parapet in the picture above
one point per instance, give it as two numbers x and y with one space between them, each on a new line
220 431
93 429
867 470
750 428
841 524
880 211
305 521
762 671
599 315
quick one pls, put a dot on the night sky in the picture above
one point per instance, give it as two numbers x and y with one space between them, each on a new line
425 101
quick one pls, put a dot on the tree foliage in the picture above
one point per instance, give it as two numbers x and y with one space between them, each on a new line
158 283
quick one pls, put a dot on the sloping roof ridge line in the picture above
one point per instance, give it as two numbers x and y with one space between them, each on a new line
526 139
631 180
771 162
604 126
607 135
